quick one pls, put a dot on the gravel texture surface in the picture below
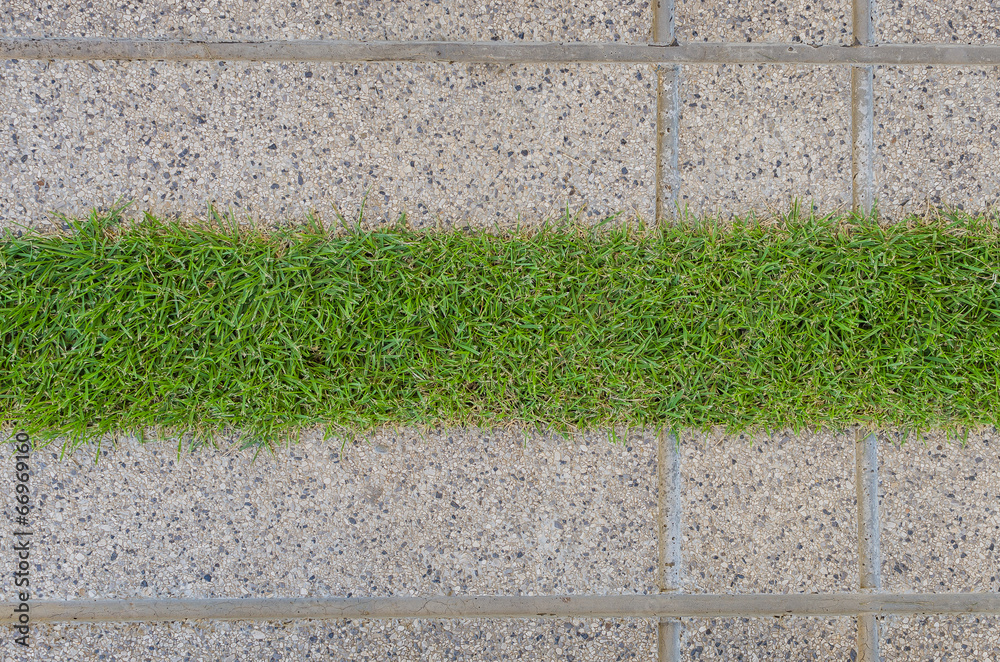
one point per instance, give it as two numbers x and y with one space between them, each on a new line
965 22
941 515
777 516
806 21
752 137
761 640
478 144
937 138
228 20
476 512
347 641
455 513
933 638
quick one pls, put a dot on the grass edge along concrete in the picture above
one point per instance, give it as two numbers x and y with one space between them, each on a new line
211 327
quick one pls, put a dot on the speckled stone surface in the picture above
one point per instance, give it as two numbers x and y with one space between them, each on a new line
933 638
455 513
463 144
477 512
764 639
941 515
777 516
342 641
7 515
937 137
226 20
752 137
934 21
805 21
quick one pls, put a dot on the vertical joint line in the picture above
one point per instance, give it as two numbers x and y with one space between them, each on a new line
863 113
669 497
869 553
663 21
864 22
668 488
667 114
668 520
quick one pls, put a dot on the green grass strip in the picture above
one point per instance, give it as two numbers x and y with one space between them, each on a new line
206 328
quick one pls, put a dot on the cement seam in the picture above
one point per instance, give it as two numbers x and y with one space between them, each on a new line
498 52
668 525
668 631
863 113
666 605
863 22
662 34
862 139
667 144
862 202
869 552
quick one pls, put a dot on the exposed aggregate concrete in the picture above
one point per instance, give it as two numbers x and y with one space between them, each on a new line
805 21
753 137
934 21
457 513
249 20
481 144
761 640
941 514
578 640
466 512
932 638
937 138
771 514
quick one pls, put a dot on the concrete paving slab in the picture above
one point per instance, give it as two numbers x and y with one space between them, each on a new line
941 515
7 515
805 21
455 513
933 21
777 516
478 144
751 137
937 138
757 640
225 20
354 641
940 638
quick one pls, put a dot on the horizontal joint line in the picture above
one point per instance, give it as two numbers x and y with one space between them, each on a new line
449 607
498 52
